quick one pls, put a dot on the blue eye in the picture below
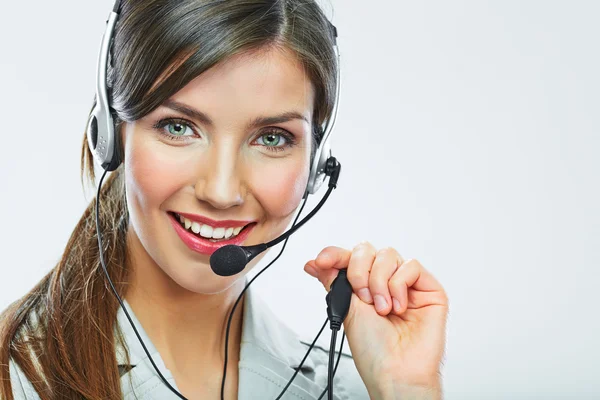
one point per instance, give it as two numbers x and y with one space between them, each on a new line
276 140
175 129
179 129
271 139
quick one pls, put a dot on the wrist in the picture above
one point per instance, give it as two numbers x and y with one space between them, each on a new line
409 391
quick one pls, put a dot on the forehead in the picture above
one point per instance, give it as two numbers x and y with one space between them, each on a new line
265 81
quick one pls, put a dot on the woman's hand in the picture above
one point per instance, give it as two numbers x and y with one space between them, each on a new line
396 325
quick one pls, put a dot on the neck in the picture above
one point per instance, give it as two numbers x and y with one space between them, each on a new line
188 329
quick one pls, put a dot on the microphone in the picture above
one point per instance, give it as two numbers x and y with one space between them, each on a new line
232 259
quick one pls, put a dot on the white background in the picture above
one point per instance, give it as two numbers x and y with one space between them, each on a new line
469 137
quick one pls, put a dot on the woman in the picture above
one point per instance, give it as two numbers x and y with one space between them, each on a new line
218 107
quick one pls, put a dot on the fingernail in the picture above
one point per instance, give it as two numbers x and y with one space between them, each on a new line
365 295
380 303
396 303
310 270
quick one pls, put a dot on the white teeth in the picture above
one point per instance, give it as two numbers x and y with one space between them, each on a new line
195 227
206 231
218 233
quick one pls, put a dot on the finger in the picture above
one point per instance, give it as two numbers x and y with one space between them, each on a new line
311 269
418 299
328 262
423 281
385 265
333 257
412 274
325 276
359 267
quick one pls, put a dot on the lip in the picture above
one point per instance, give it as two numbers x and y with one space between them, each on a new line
215 224
205 246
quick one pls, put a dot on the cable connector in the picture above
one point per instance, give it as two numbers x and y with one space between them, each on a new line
338 300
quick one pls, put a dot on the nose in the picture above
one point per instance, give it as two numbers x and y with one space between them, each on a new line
220 182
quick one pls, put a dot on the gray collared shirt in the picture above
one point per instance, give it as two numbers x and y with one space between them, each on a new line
269 354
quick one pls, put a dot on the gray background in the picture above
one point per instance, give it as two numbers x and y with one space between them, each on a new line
468 134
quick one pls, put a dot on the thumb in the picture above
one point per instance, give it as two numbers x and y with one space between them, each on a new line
325 276
333 257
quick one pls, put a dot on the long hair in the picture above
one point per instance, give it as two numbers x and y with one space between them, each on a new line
63 333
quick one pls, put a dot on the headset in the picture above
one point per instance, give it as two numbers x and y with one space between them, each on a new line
105 146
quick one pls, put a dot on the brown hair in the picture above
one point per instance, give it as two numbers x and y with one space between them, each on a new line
62 333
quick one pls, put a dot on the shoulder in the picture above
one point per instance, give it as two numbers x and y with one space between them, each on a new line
21 386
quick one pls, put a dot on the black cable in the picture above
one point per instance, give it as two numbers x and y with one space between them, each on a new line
336 363
332 170
102 262
332 185
295 227
230 315
240 297
338 304
303 359
114 290
330 365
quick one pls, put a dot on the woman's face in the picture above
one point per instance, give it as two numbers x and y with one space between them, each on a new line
230 150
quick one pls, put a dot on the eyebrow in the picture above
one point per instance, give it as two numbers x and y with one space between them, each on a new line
255 123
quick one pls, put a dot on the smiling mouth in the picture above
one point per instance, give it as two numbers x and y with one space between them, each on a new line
207 232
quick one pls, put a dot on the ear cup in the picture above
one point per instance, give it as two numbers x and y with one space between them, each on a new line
102 141
101 137
92 132
317 169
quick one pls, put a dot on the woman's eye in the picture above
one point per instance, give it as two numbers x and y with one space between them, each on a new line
275 141
271 139
178 129
175 129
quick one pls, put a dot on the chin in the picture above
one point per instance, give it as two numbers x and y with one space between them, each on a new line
200 279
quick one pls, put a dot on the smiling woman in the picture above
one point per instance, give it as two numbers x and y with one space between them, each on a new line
219 108
234 143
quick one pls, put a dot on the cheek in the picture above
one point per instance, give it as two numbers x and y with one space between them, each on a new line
279 188
152 175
